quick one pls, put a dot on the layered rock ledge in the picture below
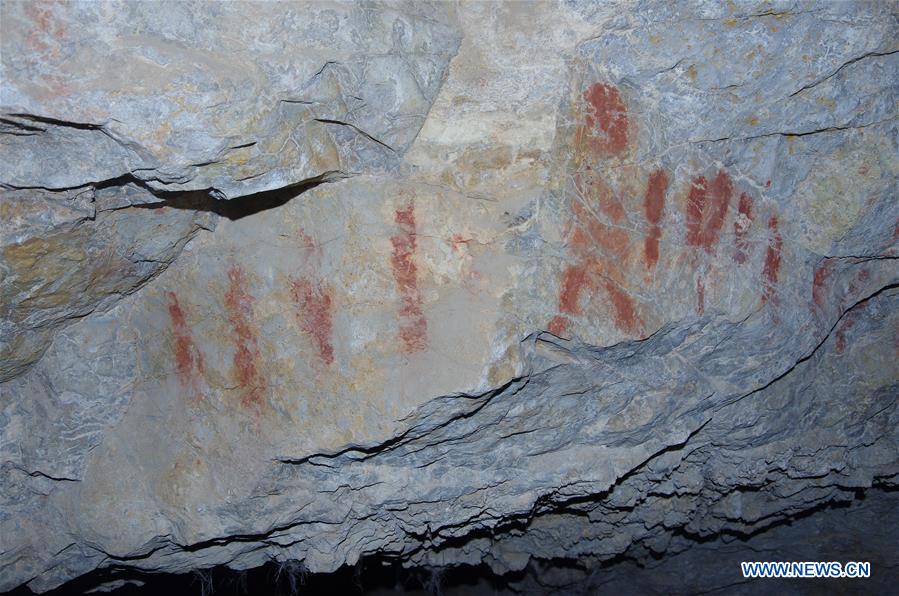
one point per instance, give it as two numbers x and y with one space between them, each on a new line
477 284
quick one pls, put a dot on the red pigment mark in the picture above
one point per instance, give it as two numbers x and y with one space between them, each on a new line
590 273
700 296
594 190
772 259
414 329
589 232
609 204
48 32
706 209
559 325
314 306
589 240
188 359
42 21
696 201
848 324
606 122
741 227
853 290
309 247
822 273
239 304
575 279
599 241
653 205
57 86
625 314
893 250
458 241
840 343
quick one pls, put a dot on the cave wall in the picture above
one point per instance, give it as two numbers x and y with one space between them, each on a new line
476 283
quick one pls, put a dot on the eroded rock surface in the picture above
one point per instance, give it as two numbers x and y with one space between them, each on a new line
495 283
231 100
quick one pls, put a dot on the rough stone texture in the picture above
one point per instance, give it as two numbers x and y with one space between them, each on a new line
708 567
498 283
234 98
304 92
67 254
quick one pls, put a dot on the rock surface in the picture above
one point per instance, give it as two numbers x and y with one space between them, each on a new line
450 284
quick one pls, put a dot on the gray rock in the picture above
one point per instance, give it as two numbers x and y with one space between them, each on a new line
233 99
508 284
88 108
67 254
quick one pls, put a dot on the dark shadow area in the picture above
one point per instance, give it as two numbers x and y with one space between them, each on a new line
372 576
232 209
840 533
45 120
